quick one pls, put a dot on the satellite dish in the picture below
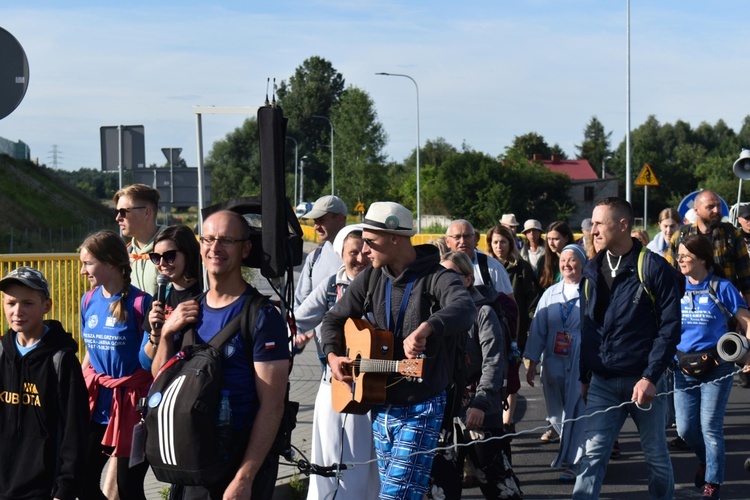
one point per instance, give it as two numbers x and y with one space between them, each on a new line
14 73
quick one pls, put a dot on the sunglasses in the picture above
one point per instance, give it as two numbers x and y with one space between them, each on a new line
123 212
169 257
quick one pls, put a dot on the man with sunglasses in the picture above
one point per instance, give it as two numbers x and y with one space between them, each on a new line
136 209
426 307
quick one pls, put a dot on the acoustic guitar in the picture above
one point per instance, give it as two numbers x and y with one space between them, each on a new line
371 352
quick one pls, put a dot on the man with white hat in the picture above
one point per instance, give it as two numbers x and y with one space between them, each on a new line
461 237
426 307
510 221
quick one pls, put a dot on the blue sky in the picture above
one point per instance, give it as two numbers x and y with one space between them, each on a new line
487 70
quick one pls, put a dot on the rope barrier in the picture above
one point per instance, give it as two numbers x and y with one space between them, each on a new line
334 470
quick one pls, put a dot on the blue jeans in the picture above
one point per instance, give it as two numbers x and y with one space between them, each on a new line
602 431
700 416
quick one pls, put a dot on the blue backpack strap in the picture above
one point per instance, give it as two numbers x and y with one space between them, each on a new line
331 292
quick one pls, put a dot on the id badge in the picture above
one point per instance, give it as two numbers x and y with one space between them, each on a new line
562 344
138 450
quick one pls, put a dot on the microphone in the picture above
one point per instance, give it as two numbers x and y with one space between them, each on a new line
162 281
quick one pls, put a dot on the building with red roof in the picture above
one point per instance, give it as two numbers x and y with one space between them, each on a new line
586 187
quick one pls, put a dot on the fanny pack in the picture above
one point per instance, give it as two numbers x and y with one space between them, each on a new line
699 363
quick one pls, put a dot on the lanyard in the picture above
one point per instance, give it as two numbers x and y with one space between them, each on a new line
564 314
402 309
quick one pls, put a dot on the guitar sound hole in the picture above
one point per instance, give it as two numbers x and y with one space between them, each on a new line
355 366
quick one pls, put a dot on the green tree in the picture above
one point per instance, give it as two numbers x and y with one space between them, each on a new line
358 145
403 178
557 150
595 146
314 89
235 163
480 188
532 144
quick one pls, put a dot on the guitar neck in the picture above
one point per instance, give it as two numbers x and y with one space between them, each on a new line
378 365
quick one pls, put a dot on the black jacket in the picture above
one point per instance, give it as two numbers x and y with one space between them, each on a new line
44 418
624 338
454 315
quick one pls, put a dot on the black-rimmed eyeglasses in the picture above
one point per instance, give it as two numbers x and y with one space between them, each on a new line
223 242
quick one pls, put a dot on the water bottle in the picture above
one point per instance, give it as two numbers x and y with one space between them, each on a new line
514 356
223 426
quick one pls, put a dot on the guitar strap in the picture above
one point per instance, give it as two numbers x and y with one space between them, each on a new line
402 309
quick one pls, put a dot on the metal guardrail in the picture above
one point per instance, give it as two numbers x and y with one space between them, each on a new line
67 286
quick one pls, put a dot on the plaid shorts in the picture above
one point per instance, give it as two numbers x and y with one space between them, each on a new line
399 432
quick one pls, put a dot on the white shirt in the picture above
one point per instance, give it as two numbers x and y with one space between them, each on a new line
499 275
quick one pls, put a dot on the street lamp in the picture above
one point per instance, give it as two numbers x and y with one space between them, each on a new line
295 170
302 179
419 210
331 123
604 162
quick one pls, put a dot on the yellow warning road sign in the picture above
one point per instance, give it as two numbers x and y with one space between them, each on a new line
646 177
360 207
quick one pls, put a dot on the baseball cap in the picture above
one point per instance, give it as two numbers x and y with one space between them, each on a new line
744 211
26 276
326 205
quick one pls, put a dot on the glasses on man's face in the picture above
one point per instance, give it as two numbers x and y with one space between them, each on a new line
684 256
456 237
123 212
369 242
223 242
169 257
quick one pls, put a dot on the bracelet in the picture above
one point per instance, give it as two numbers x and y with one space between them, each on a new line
150 340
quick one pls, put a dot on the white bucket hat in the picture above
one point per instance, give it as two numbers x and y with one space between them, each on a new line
389 217
532 224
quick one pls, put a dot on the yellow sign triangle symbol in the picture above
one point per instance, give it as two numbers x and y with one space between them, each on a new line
647 177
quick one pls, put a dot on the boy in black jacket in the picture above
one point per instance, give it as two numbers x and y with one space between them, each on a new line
44 411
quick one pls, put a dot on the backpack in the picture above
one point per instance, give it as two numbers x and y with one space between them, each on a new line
645 257
484 268
331 292
316 255
182 438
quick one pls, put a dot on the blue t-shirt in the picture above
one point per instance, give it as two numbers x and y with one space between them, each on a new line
113 346
23 350
270 343
702 321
